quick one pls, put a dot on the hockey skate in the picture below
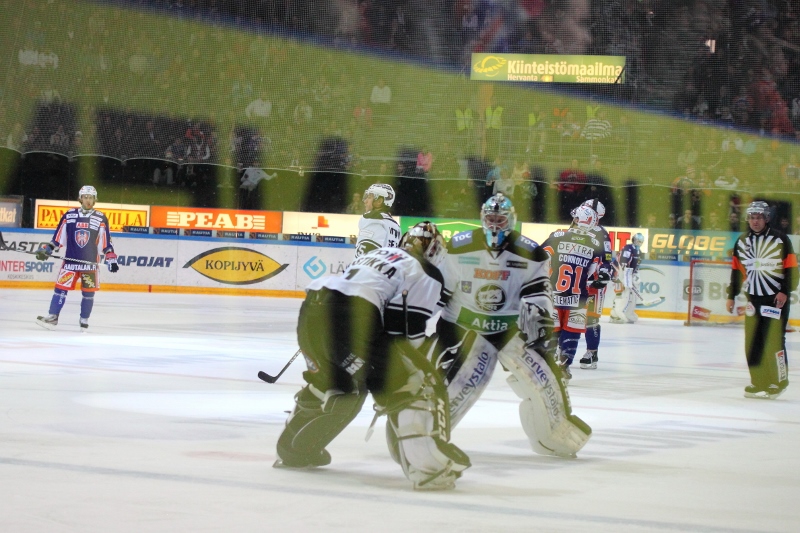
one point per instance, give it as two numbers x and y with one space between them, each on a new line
84 322
304 462
589 359
563 364
47 322
770 393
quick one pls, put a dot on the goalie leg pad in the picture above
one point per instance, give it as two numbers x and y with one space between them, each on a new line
546 411
478 359
418 429
316 420
619 309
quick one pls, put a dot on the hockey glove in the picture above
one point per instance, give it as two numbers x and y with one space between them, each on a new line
602 280
111 261
44 252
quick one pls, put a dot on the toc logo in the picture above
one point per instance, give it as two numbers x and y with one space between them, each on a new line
314 267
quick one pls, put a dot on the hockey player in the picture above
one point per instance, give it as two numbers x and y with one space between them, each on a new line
577 256
377 228
84 232
766 258
357 333
499 309
597 290
623 310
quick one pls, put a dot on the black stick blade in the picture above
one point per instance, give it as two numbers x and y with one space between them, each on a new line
263 376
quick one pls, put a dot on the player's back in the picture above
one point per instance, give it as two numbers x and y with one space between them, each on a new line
381 277
376 229
575 256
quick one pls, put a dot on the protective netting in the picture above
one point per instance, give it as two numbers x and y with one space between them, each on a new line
171 101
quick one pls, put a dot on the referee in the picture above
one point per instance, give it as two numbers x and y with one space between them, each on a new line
764 256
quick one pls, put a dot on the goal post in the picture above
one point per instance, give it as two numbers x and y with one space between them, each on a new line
707 294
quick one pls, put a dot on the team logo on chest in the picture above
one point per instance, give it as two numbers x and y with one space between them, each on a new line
82 237
490 297
466 287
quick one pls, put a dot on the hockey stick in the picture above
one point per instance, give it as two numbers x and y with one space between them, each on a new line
405 311
59 257
263 376
4 247
647 303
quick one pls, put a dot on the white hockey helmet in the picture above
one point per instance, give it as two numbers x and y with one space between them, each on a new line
87 189
759 207
425 239
383 190
595 204
585 218
498 219
637 240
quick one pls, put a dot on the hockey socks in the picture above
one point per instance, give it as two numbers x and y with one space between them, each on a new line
593 337
57 303
568 342
86 305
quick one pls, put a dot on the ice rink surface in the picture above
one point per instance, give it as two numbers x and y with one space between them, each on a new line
155 421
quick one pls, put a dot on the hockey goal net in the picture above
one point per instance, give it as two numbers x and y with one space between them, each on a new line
707 292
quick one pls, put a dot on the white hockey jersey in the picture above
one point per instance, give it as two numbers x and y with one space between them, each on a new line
483 292
381 276
376 229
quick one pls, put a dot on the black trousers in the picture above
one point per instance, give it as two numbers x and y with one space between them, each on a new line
343 341
765 343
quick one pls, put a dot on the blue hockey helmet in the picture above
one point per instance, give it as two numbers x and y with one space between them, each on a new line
637 240
498 219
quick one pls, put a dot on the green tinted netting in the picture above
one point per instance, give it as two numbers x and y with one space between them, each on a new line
270 104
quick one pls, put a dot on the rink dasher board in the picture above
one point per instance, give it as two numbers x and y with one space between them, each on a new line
182 263
164 263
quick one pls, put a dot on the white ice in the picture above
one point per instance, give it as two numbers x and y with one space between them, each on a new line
155 421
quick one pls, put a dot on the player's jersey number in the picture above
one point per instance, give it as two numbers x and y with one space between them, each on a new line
569 276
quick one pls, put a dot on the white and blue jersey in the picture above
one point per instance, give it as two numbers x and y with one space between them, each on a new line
84 235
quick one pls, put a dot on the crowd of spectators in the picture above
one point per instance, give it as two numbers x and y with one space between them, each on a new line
714 61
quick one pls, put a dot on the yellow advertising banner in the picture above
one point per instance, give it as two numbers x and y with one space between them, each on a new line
49 212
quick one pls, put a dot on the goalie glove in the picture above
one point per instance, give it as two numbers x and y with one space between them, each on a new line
536 328
111 261
44 252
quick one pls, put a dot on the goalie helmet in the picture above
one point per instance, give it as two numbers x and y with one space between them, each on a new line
498 219
425 239
87 189
759 207
637 240
384 190
585 218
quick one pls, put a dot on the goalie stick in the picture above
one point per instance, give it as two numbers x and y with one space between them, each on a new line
647 303
263 376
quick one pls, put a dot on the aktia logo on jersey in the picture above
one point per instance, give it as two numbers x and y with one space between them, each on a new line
82 237
490 298
235 266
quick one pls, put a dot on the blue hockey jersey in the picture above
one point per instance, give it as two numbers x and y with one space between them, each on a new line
84 236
